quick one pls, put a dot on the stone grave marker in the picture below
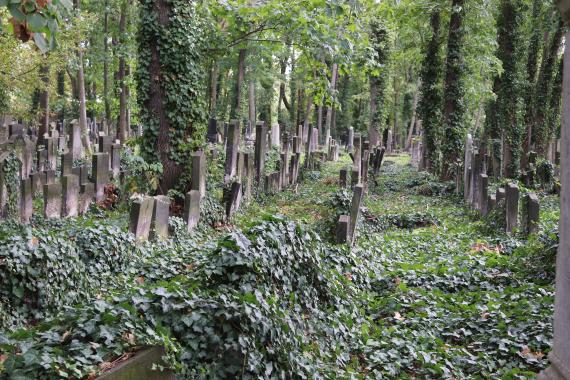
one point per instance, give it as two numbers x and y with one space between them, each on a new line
512 207
141 217
160 214
52 200
192 209
70 191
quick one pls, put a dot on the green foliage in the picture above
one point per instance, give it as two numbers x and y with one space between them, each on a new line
429 107
11 172
143 177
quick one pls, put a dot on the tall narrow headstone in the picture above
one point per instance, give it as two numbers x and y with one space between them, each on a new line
512 207
234 199
66 164
350 144
116 159
232 145
467 165
199 172
25 200
343 175
70 191
260 150
192 209
531 214
86 196
275 133
355 211
75 140
100 174
483 194
160 214
212 135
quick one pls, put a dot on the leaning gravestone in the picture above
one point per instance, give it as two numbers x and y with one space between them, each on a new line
232 146
355 211
141 217
234 199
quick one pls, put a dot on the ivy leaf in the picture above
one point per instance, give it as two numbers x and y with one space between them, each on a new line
41 42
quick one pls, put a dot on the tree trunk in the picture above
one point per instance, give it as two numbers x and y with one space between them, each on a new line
106 63
83 106
237 103
413 120
334 74
251 103
214 90
122 134
453 110
44 102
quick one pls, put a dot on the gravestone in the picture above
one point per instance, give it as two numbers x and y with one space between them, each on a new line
248 163
343 178
212 135
342 229
355 211
389 142
25 200
199 172
70 191
483 194
275 133
491 203
354 177
232 146
86 196
160 214
475 172
52 200
66 164
283 170
192 209
42 160
260 149
37 182
350 145
141 217
100 174
234 200
75 140
357 156
531 214
364 166
466 166
512 207
116 159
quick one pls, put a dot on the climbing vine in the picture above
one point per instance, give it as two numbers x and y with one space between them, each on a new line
380 53
429 106
170 81
11 172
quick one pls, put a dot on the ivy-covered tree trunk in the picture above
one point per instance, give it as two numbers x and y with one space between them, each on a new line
106 99
531 69
543 89
170 81
509 95
44 102
429 107
378 81
453 106
236 109
122 133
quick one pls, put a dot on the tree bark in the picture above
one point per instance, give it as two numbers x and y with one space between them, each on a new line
122 133
237 103
413 120
44 102
83 106
251 103
106 63
334 74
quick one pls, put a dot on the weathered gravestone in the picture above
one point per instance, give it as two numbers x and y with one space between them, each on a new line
100 174
232 146
350 144
160 214
199 172
212 134
86 197
25 200
52 200
531 214
234 200
192 209
66 164
483 194
70 191
342 229
260 150
355 212
275 134
343 178
141 217
512 207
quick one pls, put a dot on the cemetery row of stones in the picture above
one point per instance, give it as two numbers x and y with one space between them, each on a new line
472 179
54 167
244 167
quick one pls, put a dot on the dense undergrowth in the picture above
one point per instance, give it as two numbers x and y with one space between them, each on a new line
429 291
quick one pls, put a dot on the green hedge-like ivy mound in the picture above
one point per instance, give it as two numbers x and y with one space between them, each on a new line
271 302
